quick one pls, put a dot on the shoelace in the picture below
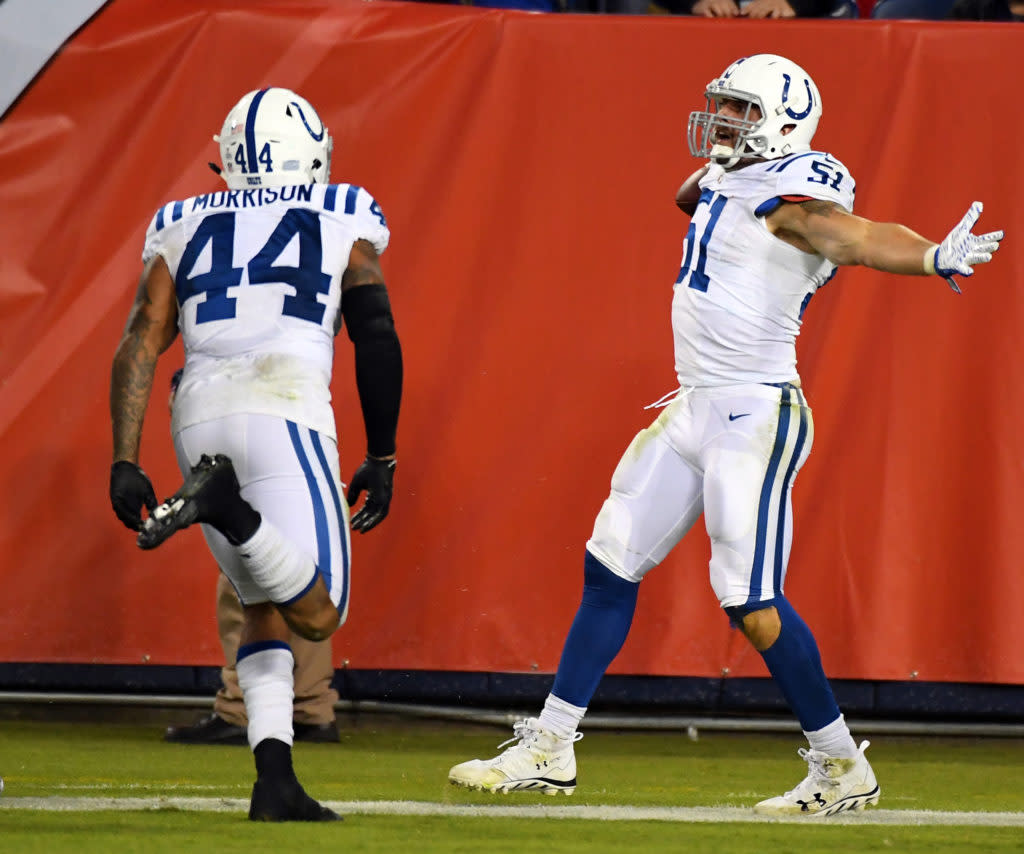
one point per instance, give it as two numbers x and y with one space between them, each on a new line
817 764
523 732
526 733
817 769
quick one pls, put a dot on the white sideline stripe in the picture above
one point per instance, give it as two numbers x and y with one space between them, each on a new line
592 813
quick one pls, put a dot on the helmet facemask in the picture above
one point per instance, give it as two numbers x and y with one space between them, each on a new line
704 126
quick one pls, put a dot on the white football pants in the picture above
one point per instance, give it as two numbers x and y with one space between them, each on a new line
730 452
290 474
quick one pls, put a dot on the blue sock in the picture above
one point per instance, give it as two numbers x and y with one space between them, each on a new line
795 664
597 634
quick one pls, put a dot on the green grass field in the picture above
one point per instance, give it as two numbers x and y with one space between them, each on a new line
405 763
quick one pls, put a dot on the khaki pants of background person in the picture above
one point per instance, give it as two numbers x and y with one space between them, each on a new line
314 668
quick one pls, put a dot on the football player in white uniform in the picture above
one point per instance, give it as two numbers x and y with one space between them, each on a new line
259 278
771 219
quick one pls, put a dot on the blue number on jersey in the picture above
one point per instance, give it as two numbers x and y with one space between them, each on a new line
827 174
377 212
219 231
698 278
307 278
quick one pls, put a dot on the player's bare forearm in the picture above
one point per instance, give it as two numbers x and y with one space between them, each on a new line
894 248
847 239
150 329
131 381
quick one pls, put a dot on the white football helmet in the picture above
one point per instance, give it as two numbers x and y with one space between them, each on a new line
273 137
786 96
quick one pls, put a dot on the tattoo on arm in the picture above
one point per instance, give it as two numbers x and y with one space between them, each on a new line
363 269
833 232
819 207
131 377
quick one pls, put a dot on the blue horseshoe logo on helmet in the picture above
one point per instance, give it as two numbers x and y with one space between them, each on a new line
319 136
785 96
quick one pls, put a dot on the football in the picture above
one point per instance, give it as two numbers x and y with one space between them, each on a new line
688 195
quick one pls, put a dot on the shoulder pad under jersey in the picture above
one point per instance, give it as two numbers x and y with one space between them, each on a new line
366 215
815 175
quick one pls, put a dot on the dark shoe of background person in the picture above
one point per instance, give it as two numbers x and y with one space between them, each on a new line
286 800
212 729
317 733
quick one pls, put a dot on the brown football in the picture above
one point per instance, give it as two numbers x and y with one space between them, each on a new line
688 195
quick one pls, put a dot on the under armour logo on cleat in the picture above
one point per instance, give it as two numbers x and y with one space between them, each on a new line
806 805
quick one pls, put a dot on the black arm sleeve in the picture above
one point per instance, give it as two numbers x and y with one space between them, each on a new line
371 328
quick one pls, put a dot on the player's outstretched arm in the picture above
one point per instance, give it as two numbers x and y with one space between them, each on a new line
845 238
371 327
152 326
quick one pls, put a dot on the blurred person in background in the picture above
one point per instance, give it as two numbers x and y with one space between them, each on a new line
987 10
769 9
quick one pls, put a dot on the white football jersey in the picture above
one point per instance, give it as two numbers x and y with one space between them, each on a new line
741 291
258 278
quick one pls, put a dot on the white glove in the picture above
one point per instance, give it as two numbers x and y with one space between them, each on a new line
961 249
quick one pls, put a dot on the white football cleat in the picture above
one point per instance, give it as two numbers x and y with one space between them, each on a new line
538 760
832 786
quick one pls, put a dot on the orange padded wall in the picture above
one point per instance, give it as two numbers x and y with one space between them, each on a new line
527 165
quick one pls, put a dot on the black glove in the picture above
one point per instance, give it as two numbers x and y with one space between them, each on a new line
377 478
129 490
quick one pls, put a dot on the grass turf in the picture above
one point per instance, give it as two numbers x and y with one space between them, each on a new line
169 832
408 761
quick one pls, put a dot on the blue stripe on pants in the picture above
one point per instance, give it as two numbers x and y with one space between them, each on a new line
342 521
323 540
764 507
780 533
